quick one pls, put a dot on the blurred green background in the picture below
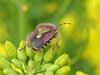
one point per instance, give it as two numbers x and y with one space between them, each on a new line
80 39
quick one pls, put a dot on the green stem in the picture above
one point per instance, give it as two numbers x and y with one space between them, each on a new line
22 22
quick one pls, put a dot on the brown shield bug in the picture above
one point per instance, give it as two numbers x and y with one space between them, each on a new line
43 33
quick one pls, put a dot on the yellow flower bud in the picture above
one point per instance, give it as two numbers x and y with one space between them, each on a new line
10 49
3 51
49 73
24 67
21 54
16 68
38 56
80 73
53 41
22 44
62 60
40 74
4 63
9 71
63 71
53 68
30 53
16 62
20 74
48 55
31 64
45 66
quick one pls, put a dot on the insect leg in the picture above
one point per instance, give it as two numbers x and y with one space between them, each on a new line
56 41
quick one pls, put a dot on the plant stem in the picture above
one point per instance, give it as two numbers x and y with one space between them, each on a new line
22 22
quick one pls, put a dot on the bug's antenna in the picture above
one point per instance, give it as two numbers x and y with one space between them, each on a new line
63 24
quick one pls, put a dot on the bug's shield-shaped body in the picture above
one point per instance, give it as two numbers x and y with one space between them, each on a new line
42 34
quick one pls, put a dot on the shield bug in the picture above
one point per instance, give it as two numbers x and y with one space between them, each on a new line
43 33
